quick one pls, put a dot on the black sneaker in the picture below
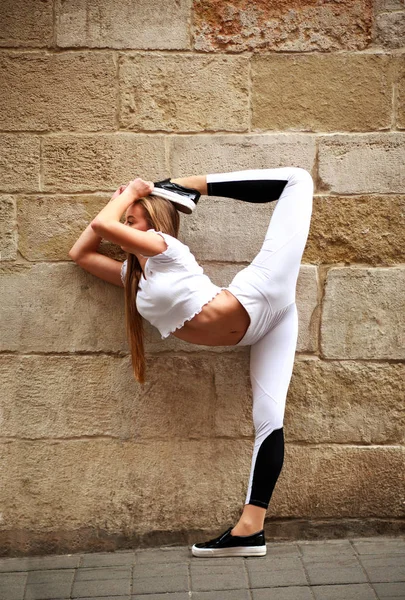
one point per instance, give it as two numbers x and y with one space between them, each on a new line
232 545
184 199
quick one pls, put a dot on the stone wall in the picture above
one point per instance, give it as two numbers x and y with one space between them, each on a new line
97 92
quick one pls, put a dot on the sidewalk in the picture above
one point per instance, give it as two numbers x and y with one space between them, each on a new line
349 569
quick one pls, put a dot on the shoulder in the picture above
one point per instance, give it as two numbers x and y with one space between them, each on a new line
175 248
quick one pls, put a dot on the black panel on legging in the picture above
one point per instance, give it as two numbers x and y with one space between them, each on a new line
257 191
269 462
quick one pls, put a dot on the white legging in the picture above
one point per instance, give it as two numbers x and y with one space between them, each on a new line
266 288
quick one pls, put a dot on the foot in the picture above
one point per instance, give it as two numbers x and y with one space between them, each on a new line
184 199
232 545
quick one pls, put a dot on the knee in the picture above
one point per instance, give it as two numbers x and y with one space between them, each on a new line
302 174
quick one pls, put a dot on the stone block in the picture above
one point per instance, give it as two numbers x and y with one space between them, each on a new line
26 23
193 155
344 92
140 25
390 30
205 94
363 313
362 164
70 91
19 163
122 485
345 402
68 396
39 301
59 222
340 481
298 26
388 5
103 162
357 229
400 103
8 228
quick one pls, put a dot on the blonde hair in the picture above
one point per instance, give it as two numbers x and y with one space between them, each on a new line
160 215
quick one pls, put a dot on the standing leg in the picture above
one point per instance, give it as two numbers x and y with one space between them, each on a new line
272 278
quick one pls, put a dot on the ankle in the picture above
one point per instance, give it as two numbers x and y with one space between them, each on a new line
246 528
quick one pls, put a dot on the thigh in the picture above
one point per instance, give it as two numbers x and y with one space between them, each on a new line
271 366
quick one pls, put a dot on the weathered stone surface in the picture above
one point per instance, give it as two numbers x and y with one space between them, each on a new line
390 29
19 163
70 90
362 229
59 222
192 155
339 92
132 486
76 163
340 481
363 314
68 396
26 23
8 228
400 103
206 93
126 24
282 25
47 307
362 164
388 5
345 403
116 485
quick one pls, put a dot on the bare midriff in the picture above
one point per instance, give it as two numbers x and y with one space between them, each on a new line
222 322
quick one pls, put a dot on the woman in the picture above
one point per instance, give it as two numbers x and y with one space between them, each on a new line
257 309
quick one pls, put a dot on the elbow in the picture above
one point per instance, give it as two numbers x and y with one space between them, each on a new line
97 226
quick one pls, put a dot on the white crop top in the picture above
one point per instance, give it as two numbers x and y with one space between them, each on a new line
175 288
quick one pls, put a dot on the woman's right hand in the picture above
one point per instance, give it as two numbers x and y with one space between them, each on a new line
119 191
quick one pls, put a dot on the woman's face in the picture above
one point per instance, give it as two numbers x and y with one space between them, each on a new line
135 217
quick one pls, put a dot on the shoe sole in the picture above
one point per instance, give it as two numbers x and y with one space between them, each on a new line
236 551
182 201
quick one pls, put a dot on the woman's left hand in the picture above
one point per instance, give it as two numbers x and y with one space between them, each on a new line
140 187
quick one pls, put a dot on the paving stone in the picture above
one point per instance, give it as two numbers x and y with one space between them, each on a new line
32 563
114 587
361 591
334 571
280 550
49 585
277 572
109 558
168 596
163 555
280 593
103 573
378 546
12 585
388 590
225 595
159 578
326 549
384 568
221 577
